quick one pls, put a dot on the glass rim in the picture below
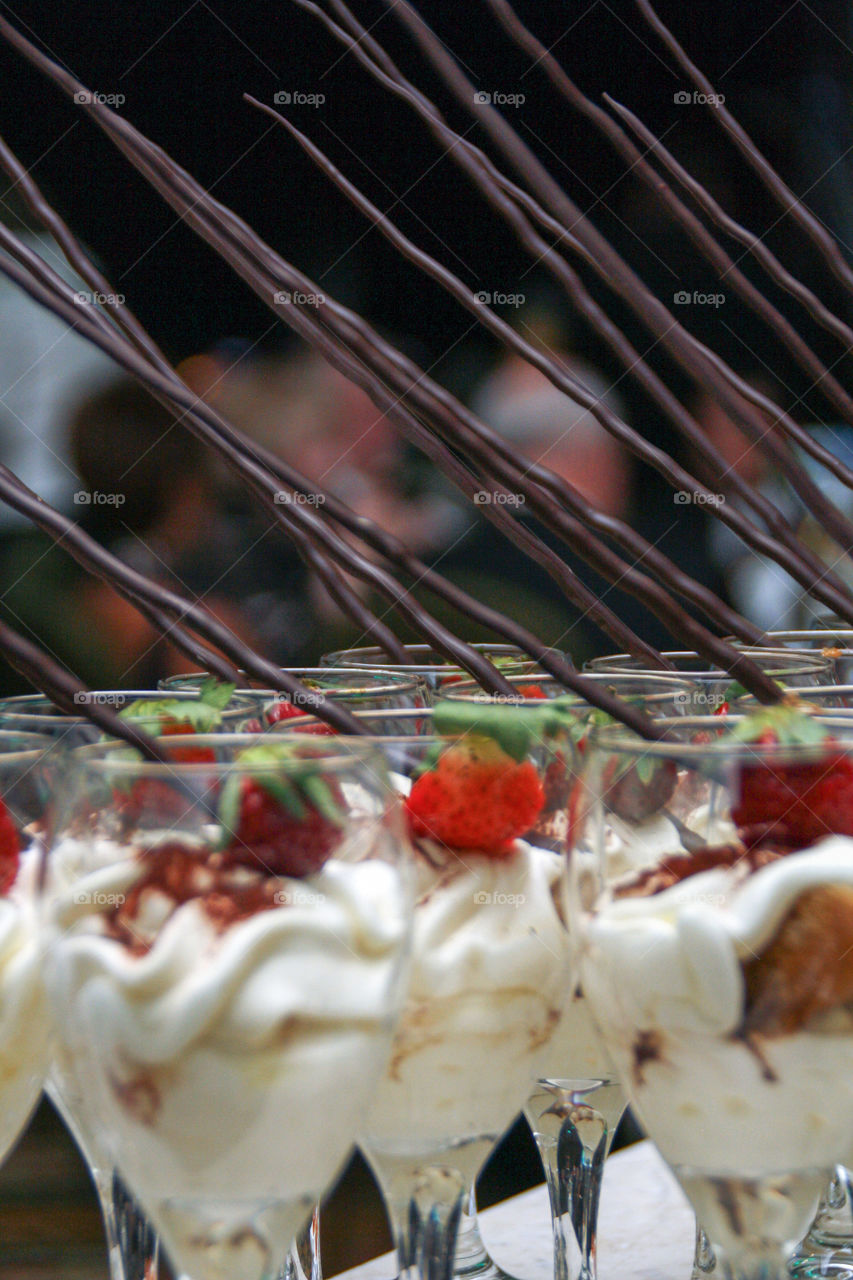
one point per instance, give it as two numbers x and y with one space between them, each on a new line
401 713
620 740
811 659
399 681
31 745
482 646
101 756
674 684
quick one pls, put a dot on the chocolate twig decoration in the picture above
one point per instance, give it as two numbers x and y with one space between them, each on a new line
681 214
66 691
777 270
775 184
504 196
705 368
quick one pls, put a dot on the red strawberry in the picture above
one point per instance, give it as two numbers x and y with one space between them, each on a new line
476 797
640 790
798 802
186 755
283 824
10 849
281 709
153 802
531 691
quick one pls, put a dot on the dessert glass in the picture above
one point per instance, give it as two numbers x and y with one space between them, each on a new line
227 955
363 688
576 1102
431 665
490 970
718 965
28 766
717 686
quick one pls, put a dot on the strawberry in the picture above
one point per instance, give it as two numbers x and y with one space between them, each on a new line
281 709
795 801
10 850
643 788
286 822
150 802
530 691
170 716
475 797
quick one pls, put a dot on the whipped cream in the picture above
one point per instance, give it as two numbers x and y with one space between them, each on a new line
489 979
236 1062
664 974
24 1020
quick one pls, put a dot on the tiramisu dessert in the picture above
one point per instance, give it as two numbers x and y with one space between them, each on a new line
225 986
490 963
720 970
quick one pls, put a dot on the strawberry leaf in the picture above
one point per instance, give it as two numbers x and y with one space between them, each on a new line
155 712
216 693
790 727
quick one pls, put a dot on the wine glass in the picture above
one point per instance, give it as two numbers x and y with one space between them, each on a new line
788 667
714 972
360 688
489 964
431 665
28 766
576 1102
227 955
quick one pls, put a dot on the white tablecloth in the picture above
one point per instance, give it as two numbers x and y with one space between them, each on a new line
646 1227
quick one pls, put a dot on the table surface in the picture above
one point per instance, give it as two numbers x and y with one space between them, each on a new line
646 1227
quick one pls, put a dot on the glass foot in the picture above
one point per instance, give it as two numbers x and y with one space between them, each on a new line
472 1261
827 1250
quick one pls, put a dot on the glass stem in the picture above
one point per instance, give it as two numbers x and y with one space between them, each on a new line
574 1138
424 1203
137 1240
303 1258
473 1261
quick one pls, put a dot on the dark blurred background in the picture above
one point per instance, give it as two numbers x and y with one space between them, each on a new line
182 69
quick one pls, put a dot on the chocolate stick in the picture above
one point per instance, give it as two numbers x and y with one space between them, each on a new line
723 263
777 270
778 188
65 690
555 518
702 364
80 261
803 565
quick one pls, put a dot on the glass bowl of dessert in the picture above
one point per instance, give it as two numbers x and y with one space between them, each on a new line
433 666
716 687
360 688
711 902
228 944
